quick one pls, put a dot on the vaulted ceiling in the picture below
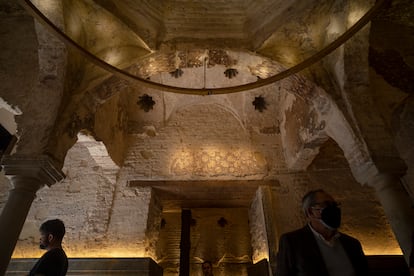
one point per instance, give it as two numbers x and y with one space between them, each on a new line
151 39
193 44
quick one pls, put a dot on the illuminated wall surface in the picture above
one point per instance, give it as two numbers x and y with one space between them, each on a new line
193 138
105 218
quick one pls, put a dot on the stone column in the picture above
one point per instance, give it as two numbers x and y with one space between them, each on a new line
262 227
27 175
397 207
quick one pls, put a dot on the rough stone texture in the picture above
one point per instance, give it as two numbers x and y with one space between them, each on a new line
85 196
209 138
105 225
403 127
41 59
257 223
154 225
199 141
5 186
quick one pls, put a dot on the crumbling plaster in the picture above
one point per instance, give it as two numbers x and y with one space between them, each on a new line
197 78
108 218
33 62
111 218
94 47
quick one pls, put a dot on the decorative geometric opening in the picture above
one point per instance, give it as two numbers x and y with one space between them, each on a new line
145 102
259 103
231 73
222 222
177 73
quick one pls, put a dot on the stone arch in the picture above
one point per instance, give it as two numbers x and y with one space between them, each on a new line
320 118
302 94
354 148
91 173
106 121
83 200
216 101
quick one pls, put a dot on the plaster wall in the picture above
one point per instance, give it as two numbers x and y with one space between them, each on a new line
189 138
106 217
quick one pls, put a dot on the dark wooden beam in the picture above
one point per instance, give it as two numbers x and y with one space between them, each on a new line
185 243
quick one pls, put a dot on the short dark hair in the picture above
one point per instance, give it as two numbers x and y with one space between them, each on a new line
309 199
56 227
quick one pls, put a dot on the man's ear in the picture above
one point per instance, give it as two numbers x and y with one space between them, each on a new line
50 237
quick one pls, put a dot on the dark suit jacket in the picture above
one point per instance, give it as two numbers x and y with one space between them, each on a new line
299 255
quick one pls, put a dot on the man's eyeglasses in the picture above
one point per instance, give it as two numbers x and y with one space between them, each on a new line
324 204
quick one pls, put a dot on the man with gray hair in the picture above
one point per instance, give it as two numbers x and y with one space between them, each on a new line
319 249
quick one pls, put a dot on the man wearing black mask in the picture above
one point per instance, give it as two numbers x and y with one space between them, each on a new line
319 249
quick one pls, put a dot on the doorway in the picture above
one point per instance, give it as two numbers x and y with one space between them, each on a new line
219 235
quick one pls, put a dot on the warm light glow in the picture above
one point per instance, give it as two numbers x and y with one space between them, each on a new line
264 72
377 244
27 253
380 250
335 27
134 253
47 7
109 28
289 56
122 253
354 16
217 161
260 256
113 57
85 253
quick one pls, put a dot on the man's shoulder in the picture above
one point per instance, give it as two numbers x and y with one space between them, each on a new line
304 231
56 251
55 254
348 238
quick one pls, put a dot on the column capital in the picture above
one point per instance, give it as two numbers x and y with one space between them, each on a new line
368 172
38 167
383 181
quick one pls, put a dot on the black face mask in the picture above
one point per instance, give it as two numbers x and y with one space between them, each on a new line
331 217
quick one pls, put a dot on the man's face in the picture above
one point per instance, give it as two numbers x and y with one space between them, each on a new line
322 200
324 213
44 240
207 269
